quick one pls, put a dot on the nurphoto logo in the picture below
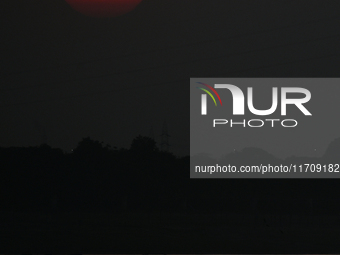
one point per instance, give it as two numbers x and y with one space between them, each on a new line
239 104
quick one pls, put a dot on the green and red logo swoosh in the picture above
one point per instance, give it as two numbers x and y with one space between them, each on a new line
208 92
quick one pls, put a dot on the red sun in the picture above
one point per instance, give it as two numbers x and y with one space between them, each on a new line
103 8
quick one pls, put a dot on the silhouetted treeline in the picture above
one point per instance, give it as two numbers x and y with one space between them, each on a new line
98 178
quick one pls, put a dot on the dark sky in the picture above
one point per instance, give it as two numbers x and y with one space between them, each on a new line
66 76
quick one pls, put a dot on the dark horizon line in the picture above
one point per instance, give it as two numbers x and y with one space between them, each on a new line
204 154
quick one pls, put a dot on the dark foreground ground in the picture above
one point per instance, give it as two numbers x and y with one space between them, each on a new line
167 233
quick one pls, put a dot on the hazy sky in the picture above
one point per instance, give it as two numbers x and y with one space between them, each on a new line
66 76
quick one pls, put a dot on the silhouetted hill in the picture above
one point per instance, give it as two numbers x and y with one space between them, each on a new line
97 177
333 151
249 155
